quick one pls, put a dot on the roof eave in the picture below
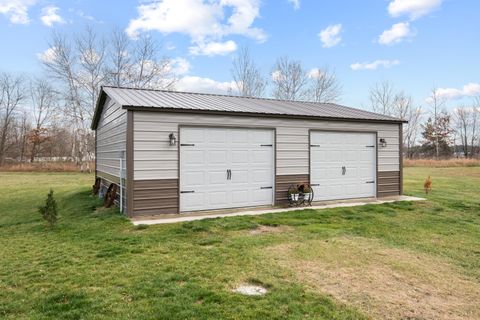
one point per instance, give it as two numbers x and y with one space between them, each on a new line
98 109
270 115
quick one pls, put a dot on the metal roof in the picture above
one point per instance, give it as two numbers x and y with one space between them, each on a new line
201 102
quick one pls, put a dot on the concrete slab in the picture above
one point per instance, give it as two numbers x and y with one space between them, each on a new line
187 217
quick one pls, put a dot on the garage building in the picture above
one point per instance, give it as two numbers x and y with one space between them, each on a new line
178 152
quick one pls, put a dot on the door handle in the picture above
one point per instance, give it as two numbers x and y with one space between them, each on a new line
228 174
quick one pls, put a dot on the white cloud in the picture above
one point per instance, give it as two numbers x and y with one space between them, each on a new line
179 66
204 21
204 85
50 16
214 48
314 73
374 65
295 4
413 8
330 36
16 10
48 55
468 90
396 34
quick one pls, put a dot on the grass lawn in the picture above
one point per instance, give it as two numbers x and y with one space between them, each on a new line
402 260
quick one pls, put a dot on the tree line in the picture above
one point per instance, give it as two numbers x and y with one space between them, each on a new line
48 117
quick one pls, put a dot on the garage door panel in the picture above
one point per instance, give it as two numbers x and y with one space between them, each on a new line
241 176
239 136
240 156
239 197
194 178
334 150
193 136
262 157
194 157
215 136
240 150
216 157
215 178
261 176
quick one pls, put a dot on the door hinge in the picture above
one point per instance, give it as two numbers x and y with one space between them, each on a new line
189 191
266 187
373 181
266 145
370 146
187 144
314 145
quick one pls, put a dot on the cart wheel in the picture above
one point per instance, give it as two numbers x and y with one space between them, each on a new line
110 195
96 186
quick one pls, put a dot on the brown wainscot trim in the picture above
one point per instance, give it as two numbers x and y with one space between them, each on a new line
282 182
388 183
154 197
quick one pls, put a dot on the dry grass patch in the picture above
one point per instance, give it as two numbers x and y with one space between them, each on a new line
57 166
433 163
270 229
387 283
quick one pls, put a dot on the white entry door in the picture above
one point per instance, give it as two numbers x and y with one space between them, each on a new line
343 165
225 168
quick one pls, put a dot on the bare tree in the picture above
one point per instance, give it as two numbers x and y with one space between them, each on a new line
91 51
437 103
24 128
148 70
289 80
324 85
85 62
475 126
12 95
248 78
120 60
403 108
63 65
382 97
44 106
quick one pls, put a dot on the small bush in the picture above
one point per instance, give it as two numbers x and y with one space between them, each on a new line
49 211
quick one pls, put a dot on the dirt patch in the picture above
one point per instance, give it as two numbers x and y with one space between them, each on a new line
251 290
386 283
270 229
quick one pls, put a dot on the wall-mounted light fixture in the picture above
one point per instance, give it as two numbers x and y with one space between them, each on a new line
173 139
383 142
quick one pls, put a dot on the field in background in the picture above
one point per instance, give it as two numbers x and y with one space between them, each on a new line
56 166
72 167
432 163
409 260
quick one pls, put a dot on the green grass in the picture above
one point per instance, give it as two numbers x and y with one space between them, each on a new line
94 264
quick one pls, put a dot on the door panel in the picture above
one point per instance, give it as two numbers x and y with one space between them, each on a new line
330 152
205 156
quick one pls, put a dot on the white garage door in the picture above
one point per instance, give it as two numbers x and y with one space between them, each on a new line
225 168
342 165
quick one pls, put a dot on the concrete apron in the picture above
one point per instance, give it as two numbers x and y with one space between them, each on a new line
252 212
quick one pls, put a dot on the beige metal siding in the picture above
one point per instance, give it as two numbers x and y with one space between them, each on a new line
154 158
111 137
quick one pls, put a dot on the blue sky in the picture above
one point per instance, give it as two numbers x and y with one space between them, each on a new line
414 44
